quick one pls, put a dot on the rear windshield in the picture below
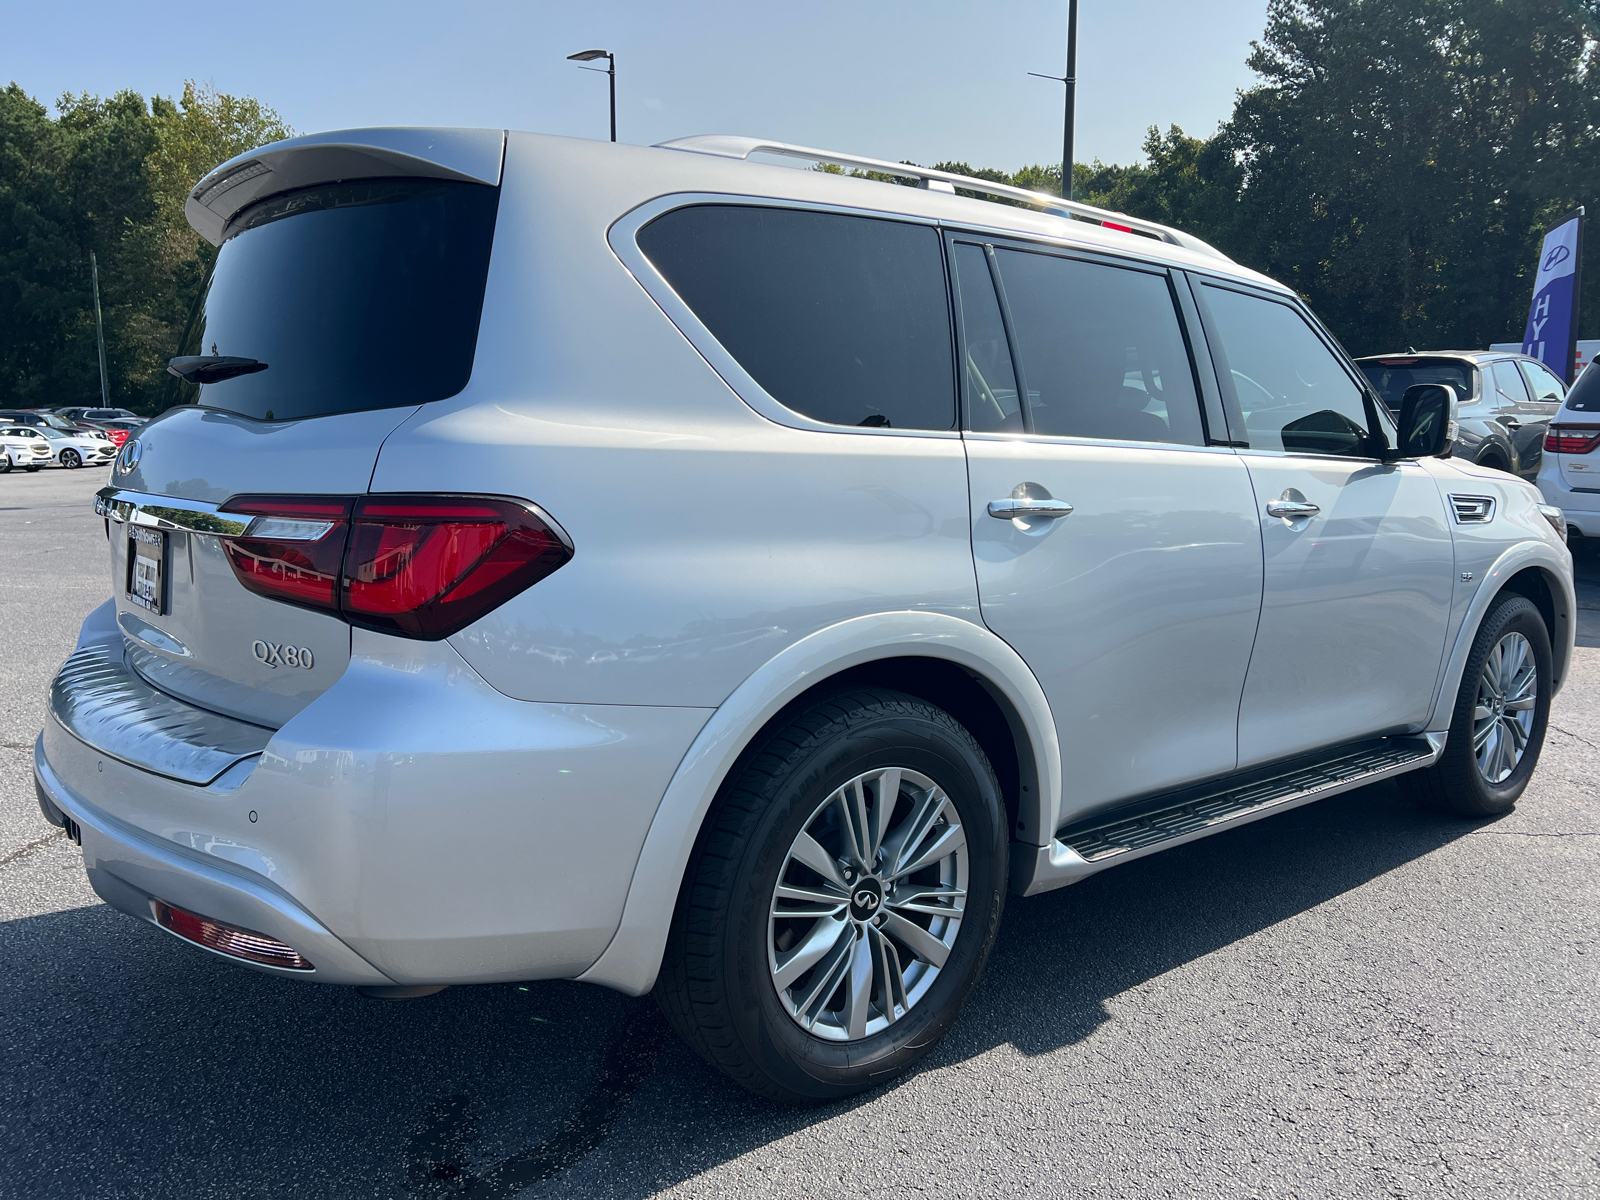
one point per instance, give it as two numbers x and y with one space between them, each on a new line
1585 393
355 295
1391 377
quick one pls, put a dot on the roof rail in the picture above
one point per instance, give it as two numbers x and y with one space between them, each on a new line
732 146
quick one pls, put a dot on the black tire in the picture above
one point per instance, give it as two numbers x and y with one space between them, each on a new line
5 464
1456 784
30 469
716 987
71 460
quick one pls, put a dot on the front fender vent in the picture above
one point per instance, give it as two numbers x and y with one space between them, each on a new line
1472 510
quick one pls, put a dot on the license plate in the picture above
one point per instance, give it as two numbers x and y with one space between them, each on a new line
147 559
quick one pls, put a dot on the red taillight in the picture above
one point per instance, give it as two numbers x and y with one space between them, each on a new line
420 566
227 939
1572 439
1118 228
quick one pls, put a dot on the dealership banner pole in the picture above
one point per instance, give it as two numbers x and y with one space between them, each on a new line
1551 335
99 330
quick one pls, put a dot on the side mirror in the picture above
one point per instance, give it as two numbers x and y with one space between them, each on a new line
1428 414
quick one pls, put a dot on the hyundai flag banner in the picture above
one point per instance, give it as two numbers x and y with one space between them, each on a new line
1552 332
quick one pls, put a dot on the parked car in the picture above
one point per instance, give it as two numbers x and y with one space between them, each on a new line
673 572
41 418
73 450
1570 474
99 414
1507 400
116 432
25 446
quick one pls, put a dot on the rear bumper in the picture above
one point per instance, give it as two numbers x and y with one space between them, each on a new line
129 869
411 825
1581 508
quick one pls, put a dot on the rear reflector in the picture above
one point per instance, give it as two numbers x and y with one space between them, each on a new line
1572 439
226 939
421 566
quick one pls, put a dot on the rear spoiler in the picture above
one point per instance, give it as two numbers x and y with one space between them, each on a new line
468 155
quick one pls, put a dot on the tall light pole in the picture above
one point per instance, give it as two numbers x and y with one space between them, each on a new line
99 331
584 56
1071 80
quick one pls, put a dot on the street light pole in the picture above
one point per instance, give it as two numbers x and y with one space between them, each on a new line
99 331
1071 80
584 56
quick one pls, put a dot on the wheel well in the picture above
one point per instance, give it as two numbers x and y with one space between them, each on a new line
1494 460
985 712
1531 582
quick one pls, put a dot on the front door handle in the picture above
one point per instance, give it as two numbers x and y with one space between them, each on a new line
1292 510
1013 507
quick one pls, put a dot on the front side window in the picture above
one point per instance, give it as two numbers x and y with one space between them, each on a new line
1547 388
842 319
1292 393
1100 349
355 295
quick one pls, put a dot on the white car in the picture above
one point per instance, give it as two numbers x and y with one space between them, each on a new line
1569 476
26 447
73 450
659 569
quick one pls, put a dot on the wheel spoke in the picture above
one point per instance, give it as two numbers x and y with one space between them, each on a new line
1482 713
926 900
1480 737
826 895
858 990
1522 705
824 936
951 839
915 939
1516 650
808 850
1519 736
853 811
905 840
888 796
891 976
827 979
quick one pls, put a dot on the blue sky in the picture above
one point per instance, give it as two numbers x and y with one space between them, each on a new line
944 79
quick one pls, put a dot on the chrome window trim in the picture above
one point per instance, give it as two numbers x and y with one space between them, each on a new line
168 512
1065 439
623 239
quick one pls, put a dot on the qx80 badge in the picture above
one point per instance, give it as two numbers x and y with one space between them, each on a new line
274 655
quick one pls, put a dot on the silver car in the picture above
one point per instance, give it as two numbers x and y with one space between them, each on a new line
655 568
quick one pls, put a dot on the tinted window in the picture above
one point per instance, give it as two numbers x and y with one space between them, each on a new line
987 374
1391 377
1585 393
1291 390
1508 382
1547 388
1101 351
843 319
356 296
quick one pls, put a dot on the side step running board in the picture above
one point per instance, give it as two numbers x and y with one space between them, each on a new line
1109 839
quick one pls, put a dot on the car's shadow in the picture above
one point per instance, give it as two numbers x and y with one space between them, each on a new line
134 1065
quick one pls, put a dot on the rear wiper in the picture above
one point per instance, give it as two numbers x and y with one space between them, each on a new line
212 368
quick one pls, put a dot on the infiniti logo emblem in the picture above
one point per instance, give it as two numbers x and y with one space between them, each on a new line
866 899
129 458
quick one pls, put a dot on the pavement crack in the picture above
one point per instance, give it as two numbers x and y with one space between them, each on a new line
36 844
1574 736
1532 833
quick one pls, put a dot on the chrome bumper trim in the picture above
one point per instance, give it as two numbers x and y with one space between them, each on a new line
105 704
167 512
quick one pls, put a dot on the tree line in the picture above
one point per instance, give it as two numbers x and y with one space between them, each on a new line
1397 164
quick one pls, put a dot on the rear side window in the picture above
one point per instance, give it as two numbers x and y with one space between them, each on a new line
1391 377
1100 350
1508 382
990 382
842 319
1291 391
356 295
1585 393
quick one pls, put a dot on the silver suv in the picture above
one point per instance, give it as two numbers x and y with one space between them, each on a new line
656 568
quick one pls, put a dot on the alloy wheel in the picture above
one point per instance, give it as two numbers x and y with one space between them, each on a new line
70 459
1502 717
868 904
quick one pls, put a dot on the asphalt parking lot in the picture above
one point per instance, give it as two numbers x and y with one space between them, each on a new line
1353 999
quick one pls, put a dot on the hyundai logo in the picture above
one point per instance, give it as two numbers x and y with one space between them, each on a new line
1559 255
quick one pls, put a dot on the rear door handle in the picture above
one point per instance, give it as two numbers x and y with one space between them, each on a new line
1292 510
1013 507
